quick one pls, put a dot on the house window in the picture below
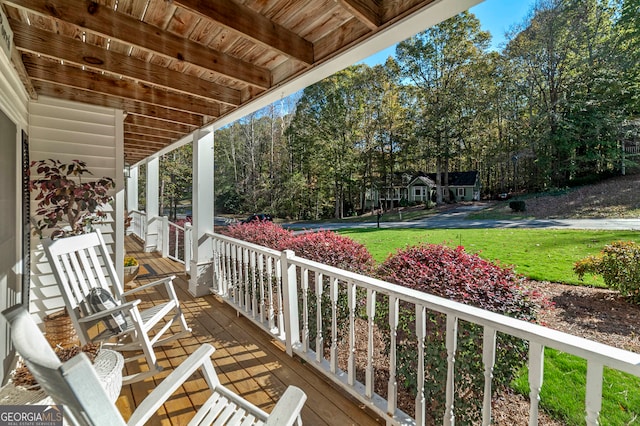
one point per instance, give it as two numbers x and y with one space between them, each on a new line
460 192
418 192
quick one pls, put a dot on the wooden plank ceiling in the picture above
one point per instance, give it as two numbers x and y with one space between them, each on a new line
176 65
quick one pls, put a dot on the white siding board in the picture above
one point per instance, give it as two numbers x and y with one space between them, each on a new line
52 107
62 136
73 125
71 145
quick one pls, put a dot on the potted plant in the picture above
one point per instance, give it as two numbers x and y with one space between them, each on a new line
66 203
131 267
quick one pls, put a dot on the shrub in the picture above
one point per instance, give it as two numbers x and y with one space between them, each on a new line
333 249
619 265
457 275
517 206
262 232
338 251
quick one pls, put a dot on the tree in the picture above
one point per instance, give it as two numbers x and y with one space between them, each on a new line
175 178
328 118
438 62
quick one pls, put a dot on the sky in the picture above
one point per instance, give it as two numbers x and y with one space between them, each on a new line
496 16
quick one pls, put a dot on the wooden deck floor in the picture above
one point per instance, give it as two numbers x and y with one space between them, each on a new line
247 360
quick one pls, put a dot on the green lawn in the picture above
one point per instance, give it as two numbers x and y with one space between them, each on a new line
563 391
540 254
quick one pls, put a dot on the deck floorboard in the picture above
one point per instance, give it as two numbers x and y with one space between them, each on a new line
248 361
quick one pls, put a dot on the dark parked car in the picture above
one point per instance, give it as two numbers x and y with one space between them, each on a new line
258 218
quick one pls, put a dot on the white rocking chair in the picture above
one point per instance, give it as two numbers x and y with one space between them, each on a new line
75 386
82 265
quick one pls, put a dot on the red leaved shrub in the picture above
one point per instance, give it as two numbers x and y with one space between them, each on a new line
454 274
264 233
333 249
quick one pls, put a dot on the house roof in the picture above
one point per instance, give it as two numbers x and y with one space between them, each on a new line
458 178
422 180
176 66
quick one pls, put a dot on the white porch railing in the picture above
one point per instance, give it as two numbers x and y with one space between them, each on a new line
176 241
272 289
138 226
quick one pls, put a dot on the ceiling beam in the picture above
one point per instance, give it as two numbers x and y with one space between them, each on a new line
367 11
253 25
153 123
148 140
47 70
118 26
141 130
33 40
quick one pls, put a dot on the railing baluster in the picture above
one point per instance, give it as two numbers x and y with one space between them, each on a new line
392 397
421 333
371 314
234 271
261 306
254 284
489 360
319 336
176 239
270 278
305 310
452 346
246 281
280 311
351 367
228 278
333 287
593 400
536 373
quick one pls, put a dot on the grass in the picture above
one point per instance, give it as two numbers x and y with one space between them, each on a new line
563 391
540 254
545 255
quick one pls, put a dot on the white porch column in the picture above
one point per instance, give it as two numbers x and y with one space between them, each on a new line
119 198
201 280
153 205
132 189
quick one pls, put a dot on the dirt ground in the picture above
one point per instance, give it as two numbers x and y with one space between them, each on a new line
617 197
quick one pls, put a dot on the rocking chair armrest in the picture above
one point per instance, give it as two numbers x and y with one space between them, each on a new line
287 410
126 307
171 383
167 281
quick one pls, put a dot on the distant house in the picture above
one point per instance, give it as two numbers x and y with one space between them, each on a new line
465 186
421 189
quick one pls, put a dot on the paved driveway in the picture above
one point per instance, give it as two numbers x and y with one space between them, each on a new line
456 218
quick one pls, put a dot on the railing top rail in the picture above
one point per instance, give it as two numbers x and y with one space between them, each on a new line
607 355
130 212
260 249
175 225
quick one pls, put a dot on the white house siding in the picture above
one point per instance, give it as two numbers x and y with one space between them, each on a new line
13 120
66 131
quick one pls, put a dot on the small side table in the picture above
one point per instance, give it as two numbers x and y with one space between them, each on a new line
108 365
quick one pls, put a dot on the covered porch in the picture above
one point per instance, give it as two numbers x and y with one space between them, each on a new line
124 82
